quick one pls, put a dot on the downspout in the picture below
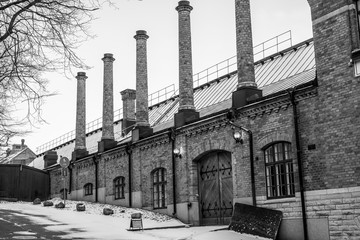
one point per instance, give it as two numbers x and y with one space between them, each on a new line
70 177
251 149
299 161
173 137
96 177
252 171
129 153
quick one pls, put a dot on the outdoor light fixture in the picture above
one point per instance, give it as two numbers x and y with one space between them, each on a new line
238 136
177 152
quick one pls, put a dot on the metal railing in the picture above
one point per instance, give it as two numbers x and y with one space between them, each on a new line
90 126
262 50
227 66
161 95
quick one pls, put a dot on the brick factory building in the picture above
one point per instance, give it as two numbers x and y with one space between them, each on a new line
282 133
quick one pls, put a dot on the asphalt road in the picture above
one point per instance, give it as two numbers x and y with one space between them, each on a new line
13 225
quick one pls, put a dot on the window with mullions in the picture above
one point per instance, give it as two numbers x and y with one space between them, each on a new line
279 171
159 187
88 188
119 186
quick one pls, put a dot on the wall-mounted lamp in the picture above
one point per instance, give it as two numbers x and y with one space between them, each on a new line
177 152
238 136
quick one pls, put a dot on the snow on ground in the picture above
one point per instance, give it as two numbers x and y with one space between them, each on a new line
92 224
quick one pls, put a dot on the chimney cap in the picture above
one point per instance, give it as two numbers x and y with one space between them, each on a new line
81 74
128 94
184 5
141 34
108 56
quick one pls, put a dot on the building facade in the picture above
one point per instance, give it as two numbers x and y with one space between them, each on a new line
287 138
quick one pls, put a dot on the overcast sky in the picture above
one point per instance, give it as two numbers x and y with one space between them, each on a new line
213 40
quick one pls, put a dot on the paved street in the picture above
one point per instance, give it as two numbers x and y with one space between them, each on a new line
13 225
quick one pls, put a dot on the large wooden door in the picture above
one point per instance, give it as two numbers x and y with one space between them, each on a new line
215 188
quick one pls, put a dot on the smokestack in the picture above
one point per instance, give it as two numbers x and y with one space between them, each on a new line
107 139
22 143
80 129
128 97
187 112
142 127
247 88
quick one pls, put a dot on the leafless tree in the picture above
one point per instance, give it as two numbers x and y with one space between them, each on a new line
37 37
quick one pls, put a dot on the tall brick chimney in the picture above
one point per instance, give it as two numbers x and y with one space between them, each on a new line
187 112
80 129
247 88
142 126
128 97
107 139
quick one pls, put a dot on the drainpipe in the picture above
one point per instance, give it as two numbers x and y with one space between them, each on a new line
96 177
70 177
172 137
129 153
251 149
299 161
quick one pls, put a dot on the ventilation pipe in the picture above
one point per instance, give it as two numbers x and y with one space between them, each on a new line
80 129
187 112
246 88
128 97
142 126
107 139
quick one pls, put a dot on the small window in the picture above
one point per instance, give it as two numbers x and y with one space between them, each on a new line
119 186
88 189
279 171
159 188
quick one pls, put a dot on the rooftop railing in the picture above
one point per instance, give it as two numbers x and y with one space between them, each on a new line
262 50
227 66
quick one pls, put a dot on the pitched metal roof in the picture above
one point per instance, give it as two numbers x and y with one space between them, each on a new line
288 68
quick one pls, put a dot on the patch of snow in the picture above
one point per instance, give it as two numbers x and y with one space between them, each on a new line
92 224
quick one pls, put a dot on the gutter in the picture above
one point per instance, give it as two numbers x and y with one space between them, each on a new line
291 93
172 138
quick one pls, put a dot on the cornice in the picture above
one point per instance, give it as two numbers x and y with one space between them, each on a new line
275 105
205 127
84 165
114 155
154 142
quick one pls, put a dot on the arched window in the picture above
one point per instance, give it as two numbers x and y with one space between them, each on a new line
159 187
279 171
119 186
62 193
88 188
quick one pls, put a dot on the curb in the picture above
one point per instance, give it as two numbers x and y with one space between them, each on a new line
156 228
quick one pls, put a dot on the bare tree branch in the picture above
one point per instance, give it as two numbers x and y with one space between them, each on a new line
38 37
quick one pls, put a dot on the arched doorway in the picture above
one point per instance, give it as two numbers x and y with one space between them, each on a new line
215 188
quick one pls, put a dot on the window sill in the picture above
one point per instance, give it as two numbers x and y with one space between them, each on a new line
279 200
